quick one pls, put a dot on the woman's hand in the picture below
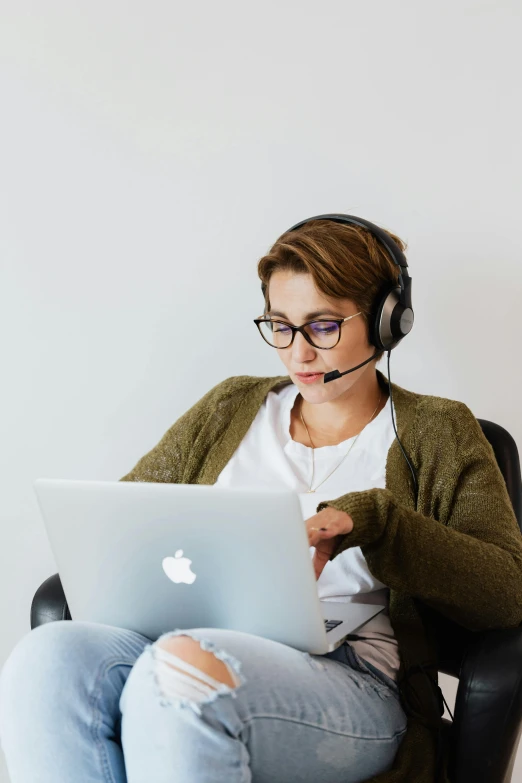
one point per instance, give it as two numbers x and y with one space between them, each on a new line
335 523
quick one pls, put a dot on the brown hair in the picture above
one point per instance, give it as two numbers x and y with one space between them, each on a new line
345 261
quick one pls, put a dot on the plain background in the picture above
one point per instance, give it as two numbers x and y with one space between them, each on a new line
150 153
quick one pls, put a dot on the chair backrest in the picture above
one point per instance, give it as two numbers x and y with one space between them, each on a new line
507 456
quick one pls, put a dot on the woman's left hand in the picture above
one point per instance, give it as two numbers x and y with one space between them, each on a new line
337 523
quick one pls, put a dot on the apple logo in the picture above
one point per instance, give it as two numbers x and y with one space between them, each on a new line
177 568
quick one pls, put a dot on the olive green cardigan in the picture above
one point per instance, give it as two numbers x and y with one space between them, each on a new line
457 551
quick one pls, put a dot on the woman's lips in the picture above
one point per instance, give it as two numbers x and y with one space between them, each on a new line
309 377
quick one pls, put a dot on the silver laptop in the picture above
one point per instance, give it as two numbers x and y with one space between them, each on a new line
154 557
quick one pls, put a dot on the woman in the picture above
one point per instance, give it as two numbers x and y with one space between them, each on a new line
90 702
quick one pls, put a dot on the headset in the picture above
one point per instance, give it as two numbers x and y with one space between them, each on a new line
390 320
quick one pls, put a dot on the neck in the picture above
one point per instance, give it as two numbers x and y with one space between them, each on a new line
348 413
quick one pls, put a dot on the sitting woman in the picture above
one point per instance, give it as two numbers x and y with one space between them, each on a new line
404 506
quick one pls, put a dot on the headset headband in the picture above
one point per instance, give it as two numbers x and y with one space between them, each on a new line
394 251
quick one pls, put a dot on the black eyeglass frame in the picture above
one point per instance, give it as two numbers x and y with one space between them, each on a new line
338 321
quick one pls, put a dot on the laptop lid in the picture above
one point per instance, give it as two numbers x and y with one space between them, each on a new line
151 557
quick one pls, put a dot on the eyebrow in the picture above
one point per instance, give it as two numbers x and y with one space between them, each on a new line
314 314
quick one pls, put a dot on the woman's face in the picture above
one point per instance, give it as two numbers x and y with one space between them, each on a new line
293 297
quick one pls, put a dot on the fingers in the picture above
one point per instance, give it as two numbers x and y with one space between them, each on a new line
328 523
320 559
315 535
318 568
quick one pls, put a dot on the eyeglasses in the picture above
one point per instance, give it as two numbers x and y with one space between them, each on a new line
323 334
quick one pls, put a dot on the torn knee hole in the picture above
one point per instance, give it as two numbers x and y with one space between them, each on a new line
181 680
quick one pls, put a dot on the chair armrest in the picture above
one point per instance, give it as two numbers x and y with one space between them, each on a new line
488 708
49 603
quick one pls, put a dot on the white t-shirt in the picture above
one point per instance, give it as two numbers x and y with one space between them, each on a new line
268 457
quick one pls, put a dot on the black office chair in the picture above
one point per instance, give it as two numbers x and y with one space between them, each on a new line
487 722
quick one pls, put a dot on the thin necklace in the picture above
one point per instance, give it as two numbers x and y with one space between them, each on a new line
351 447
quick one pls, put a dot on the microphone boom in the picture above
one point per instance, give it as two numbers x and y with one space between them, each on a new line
334 374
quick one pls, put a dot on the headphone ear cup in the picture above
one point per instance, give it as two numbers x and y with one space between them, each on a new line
392 320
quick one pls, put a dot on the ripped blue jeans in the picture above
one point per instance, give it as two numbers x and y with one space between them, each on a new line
92 703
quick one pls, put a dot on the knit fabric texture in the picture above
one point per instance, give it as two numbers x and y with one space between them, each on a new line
456 550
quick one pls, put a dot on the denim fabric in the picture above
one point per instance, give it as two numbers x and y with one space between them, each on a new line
93 703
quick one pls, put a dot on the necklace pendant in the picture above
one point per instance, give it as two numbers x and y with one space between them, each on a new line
309 491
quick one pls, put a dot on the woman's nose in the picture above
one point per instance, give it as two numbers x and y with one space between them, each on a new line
301 347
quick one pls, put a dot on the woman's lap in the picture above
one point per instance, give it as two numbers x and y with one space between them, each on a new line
293 715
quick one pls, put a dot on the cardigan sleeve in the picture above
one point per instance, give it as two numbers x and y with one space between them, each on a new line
468 566
166 461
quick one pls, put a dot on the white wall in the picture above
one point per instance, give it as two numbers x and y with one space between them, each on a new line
150 153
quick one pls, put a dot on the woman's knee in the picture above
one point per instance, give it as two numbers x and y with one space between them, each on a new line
40 652
189 667
184 648
40 658
33 668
